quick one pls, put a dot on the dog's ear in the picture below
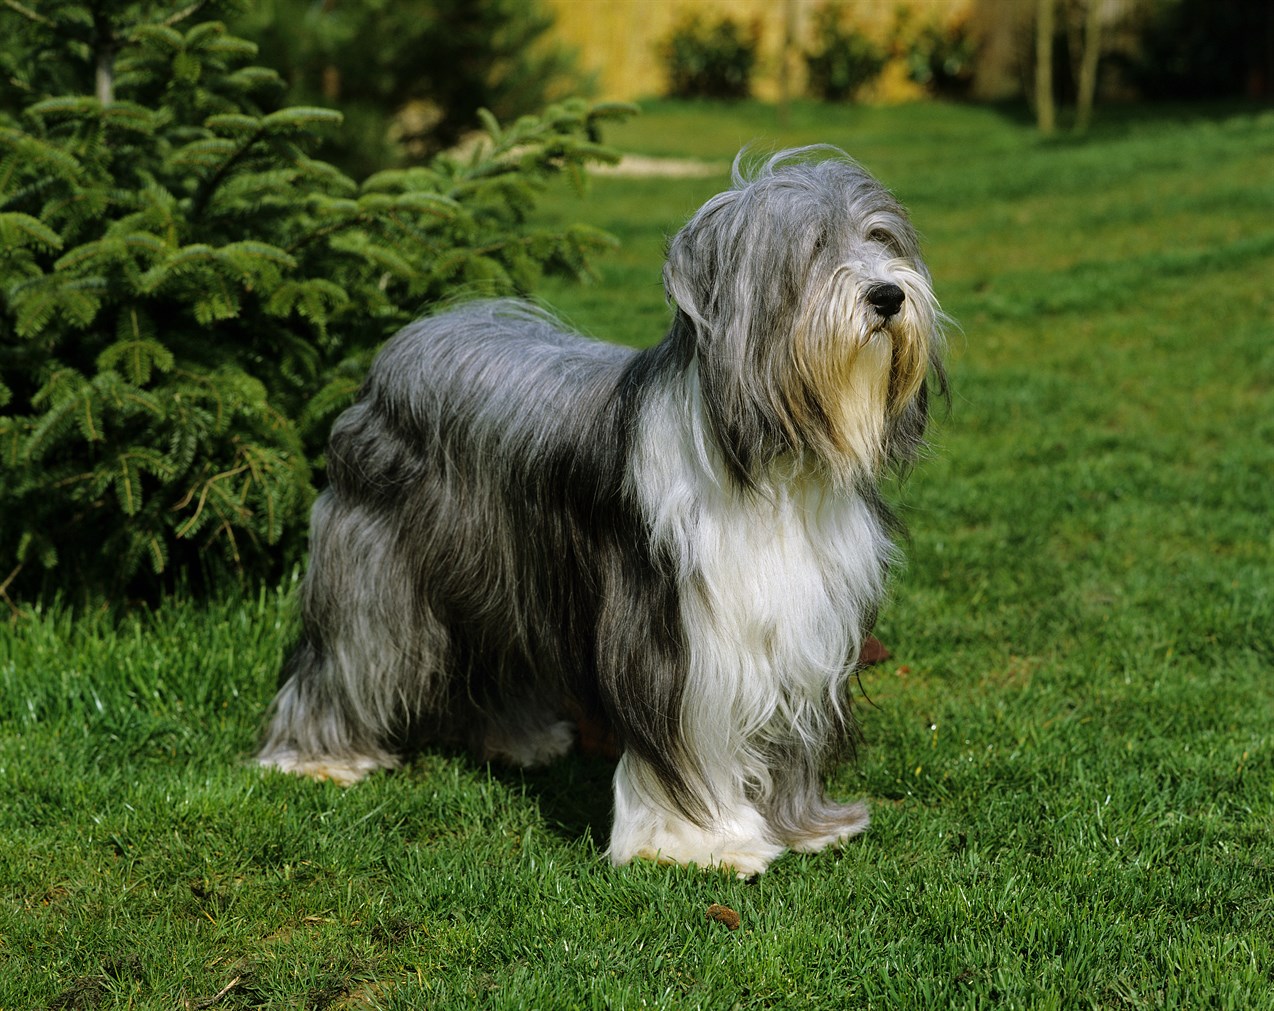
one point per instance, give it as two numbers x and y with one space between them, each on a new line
735 289
694 261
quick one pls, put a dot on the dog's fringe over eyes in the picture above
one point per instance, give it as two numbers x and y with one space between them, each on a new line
686 542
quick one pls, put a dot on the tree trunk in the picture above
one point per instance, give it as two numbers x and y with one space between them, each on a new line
104 46
105 76
786 56
1088 67
1045 25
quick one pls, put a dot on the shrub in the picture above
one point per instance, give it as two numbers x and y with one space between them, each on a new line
189 296
844 60
710 60
1200 49
941 58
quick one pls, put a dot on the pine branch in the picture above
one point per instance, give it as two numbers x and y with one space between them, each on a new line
184 13
4 589
203 194
29 14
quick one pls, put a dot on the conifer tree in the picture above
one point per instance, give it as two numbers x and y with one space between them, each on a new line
187 295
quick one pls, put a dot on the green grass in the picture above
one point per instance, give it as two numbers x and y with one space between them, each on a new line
1070 757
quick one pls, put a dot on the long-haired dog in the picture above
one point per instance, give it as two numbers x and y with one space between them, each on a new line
687 542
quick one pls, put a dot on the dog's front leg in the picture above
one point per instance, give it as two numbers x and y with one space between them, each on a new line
647 824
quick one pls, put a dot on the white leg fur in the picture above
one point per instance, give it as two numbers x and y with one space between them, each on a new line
318 742
654 829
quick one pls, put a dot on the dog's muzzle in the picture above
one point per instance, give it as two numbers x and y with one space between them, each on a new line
886 299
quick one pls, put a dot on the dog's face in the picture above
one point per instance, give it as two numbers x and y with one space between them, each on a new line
813 316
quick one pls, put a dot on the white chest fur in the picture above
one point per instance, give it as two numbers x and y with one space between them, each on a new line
775 583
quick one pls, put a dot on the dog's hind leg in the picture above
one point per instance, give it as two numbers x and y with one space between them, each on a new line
314 729
528 734
367 666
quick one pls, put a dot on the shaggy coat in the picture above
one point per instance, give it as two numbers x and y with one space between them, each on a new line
687 542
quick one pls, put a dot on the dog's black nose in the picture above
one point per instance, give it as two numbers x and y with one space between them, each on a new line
886 299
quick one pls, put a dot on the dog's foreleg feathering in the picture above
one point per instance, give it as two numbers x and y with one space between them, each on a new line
775 586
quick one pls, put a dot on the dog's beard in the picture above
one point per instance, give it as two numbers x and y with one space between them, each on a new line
855 371
799 370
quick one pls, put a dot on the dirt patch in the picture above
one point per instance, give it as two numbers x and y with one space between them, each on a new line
637 166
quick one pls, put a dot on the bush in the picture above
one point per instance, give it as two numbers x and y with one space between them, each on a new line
941 58
844 60
189 296
1201 49
710 60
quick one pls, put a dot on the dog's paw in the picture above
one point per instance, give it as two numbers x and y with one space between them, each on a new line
342 771
529 751
739 843
745 860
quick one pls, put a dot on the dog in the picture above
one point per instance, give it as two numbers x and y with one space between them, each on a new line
687 543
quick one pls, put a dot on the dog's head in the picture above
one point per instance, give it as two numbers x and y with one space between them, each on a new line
810 316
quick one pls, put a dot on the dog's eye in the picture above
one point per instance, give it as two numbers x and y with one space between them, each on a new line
881 236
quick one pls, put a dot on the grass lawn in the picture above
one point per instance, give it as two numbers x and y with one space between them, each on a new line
1070 758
